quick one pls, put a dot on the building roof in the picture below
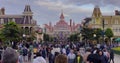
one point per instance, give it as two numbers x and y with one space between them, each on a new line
11 16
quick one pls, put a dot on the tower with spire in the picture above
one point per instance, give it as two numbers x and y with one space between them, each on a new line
61 30
24 20
62 16
28 15
96 16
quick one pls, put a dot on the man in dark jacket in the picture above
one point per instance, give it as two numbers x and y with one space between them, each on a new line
111 56
79 58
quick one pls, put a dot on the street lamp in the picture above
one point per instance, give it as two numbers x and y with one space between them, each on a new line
24 36
111 41
103 25
80 37
94 35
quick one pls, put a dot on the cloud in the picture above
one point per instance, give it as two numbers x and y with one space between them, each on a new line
95 2
58 5
49 10
76 9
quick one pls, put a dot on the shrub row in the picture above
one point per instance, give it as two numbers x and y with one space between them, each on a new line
116 50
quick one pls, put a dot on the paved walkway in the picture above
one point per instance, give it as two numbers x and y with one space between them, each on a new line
117 59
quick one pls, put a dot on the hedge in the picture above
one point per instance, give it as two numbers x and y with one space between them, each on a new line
116 50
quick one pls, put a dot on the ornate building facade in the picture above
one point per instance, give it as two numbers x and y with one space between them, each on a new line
25 20
61 30
110 21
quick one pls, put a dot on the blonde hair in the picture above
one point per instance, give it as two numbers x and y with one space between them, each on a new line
61 58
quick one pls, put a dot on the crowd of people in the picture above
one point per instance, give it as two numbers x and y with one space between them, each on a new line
62 52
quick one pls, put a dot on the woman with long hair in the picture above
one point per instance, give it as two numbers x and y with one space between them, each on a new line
61 58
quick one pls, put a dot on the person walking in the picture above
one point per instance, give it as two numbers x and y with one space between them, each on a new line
61 58
87 53
25 53
39 58
79 58
111 56
102 57
9 56
71 56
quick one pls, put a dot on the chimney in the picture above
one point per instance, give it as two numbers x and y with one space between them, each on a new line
3 11
70 22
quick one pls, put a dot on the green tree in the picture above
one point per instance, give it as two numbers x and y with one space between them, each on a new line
46 37
10 32
109 33
87 33
98 33
74 37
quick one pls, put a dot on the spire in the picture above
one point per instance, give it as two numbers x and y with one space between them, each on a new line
62 16
70 22
27 10
96 12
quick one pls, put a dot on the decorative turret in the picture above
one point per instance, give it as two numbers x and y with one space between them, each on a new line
73 24
62 16
27 10
27 15
70 22
2 11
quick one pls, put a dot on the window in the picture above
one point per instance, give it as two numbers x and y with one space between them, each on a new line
106 22
13 19
116 21
2 21
119 29
116 29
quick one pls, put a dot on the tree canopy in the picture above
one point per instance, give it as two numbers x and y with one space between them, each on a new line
109 33
74 37
10 32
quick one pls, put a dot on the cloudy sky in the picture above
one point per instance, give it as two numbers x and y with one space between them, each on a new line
46 11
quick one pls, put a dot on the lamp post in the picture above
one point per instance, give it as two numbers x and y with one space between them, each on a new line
103 25
111 41
94 35
80 36
24 37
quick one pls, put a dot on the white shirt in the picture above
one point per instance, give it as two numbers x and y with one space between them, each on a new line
39 60
64 50
71 56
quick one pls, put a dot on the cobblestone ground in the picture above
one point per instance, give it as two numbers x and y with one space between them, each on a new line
116 59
